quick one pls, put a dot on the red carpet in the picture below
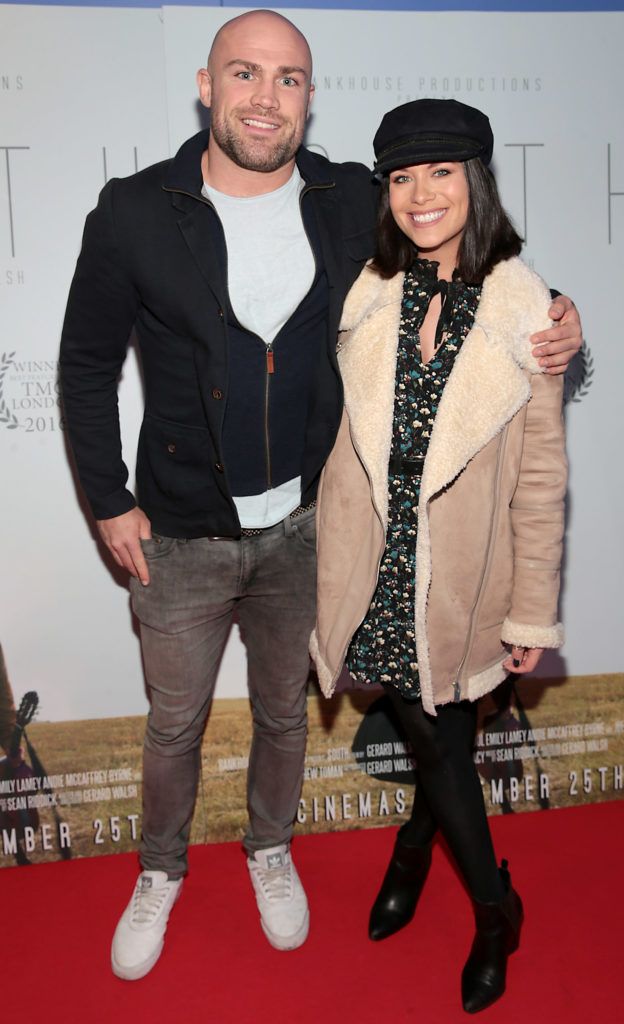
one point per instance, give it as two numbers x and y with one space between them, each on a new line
217 967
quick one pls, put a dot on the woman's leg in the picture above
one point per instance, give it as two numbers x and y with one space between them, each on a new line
443 746
451 790
406 873
421 826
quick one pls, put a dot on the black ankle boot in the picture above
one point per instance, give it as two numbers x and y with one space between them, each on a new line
400 889
497 935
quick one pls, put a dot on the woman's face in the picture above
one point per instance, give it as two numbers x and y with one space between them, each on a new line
429 203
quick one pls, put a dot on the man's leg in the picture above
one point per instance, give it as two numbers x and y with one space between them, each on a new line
276 617
185 617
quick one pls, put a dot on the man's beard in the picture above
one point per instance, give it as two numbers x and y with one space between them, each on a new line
250 154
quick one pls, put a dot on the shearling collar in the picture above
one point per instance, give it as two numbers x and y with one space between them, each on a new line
369 294
511 283
487 386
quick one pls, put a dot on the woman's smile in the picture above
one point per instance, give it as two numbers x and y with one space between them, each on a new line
424 219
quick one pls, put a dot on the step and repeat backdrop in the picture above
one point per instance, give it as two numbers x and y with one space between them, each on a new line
88 93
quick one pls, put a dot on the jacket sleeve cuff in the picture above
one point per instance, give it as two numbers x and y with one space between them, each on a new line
521 634
113 504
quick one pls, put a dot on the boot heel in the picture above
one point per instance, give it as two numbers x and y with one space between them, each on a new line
497 936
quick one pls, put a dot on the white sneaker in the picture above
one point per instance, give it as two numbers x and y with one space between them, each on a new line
140 934
280 896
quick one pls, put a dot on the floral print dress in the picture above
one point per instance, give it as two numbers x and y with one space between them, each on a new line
383 650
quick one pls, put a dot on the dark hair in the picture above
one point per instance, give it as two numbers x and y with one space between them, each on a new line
489 236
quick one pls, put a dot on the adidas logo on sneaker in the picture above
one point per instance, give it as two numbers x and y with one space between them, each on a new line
140 933
280 896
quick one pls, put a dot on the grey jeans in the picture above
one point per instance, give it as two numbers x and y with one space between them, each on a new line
185 615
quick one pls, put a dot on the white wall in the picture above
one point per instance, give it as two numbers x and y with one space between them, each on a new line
75 80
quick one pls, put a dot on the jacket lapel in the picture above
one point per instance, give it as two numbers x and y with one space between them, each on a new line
367 358
485 389
489 382
326 214
199 234
196 220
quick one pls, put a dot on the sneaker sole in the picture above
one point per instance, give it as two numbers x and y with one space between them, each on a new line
286 942
136 971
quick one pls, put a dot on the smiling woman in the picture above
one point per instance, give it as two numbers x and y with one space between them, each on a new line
440 510
258 86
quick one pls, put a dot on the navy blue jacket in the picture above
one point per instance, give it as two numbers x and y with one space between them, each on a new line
153 259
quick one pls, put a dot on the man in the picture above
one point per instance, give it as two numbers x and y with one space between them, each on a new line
232 262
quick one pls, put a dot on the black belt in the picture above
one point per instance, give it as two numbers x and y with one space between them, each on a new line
412 466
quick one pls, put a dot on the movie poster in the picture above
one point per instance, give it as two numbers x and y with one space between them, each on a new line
73 789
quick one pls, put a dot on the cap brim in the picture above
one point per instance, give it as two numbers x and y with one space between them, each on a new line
427 151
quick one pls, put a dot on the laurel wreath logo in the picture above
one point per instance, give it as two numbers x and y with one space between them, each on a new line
6 416
580 375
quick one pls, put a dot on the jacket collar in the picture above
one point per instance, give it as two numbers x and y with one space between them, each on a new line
506 309
314 169
487 386
183 179
369 294
183 173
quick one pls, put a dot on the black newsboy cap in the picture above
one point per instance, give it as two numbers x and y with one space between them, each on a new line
428 131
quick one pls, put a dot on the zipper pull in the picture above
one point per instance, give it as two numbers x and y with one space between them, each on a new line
270 362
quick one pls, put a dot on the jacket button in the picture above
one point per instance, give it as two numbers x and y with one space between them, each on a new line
217 393
220 313
171 449
219 467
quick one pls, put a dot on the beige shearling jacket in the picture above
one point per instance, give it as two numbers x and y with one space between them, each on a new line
491 508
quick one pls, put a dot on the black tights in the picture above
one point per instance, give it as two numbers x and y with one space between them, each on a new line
448 791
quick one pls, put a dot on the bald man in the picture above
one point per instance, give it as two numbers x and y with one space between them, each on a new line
231 262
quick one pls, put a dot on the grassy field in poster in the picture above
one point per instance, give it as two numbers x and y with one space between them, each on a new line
573 755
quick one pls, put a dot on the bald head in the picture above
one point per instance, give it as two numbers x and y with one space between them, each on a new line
258 85
259 28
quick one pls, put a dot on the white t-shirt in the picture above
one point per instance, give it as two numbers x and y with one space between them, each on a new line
270 269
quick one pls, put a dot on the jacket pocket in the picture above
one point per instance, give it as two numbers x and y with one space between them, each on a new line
176 461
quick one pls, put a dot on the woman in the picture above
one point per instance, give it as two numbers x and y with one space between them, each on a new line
440 510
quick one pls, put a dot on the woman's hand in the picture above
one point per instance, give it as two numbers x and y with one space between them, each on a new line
523 659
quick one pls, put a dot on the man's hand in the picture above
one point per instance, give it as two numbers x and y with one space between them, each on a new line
122 536
523 659
559 344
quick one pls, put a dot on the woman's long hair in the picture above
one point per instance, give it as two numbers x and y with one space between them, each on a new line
489 236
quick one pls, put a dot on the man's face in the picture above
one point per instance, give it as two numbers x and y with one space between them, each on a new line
258 87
